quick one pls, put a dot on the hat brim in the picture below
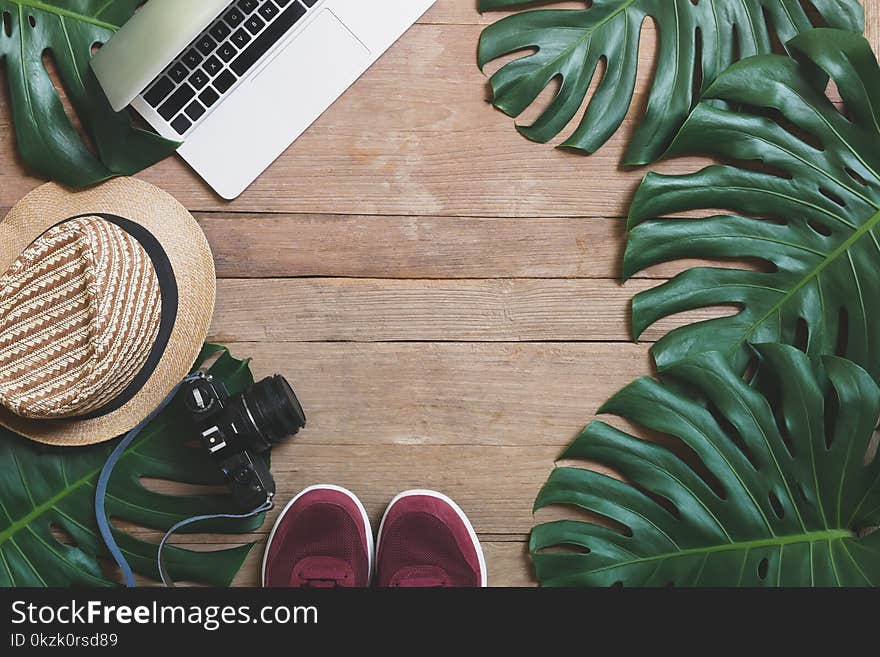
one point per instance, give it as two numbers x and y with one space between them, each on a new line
191 261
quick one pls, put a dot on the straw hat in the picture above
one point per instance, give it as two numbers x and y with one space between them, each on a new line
106 296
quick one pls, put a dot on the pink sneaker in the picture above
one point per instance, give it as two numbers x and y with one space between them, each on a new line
321 539
426 540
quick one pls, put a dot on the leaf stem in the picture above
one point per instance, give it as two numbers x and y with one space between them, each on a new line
37 511
842 248
58 11
808 537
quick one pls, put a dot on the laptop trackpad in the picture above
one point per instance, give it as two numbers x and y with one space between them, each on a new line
328 48
257 122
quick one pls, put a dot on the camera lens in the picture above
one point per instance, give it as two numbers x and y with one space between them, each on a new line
275 412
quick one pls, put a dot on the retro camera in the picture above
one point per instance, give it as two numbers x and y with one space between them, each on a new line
237 430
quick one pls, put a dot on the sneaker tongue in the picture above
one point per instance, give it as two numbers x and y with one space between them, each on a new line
322 572
420 577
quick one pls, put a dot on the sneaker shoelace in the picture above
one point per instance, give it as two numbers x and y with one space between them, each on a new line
323 578
313 583
421 583
421 578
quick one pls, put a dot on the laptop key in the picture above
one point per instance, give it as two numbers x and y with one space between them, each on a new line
241 38
268 11
282 3
247 6
209 97
195 111
199 79
227 51
261 45
178 72
233 17
212 66
309 3
159 91
175 103
220 31
224 82
192 58
254 24
206 45
181 124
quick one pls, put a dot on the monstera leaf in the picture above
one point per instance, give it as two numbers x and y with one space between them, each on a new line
44 488
777 498
806 192
698 40
64 32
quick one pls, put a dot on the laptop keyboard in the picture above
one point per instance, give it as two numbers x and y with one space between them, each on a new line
210 66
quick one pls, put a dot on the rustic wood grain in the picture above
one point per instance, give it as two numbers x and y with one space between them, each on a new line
448 394
249 245
381 310
255 245
872 22
274 246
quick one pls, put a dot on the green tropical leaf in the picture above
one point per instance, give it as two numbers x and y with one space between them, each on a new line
43 488
805 187
65 31
698 40
776 499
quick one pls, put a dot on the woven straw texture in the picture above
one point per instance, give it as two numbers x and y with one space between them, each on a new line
111 282
79 313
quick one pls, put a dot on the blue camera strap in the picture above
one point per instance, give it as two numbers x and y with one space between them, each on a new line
166 579
101 494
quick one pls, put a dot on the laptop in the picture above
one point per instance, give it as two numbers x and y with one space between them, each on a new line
237 82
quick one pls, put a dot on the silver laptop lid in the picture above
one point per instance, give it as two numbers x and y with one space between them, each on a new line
147 43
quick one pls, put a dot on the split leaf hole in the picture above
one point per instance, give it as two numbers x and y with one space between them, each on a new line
60 534
852 173
776 46
842 347
763 568
697 90
801 339
831 196
734 435
682 451
819 228
777 505
812 13
52 70
832 411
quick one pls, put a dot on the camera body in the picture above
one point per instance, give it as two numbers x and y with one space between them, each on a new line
237 430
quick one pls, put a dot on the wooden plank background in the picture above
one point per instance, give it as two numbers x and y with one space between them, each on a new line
441 292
